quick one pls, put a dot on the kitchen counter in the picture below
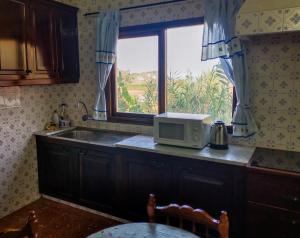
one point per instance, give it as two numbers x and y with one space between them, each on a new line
87 135
276 159
50 133
235 155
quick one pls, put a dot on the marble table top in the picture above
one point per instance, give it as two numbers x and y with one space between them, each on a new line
143 230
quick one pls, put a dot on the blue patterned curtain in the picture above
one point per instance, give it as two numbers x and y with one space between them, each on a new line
107 35
219 41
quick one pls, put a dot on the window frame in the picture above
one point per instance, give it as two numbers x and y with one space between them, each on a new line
154 29
139 118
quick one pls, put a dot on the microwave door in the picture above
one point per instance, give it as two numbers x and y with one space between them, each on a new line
171 132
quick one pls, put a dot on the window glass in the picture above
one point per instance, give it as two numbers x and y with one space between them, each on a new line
137 75
195 86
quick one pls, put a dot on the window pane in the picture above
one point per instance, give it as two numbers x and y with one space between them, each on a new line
137 75
195 86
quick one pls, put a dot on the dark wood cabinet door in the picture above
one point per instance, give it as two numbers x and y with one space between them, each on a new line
205 186
97 179
44 41
68 45
212 187
38 43
145 174
57 170
13 39
274 189
263 221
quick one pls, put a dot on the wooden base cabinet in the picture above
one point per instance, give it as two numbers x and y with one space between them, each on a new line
264 221
97 181
57 169
119 181
201 184
141 175
273 204
77 172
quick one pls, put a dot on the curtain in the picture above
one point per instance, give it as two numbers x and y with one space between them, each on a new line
107 35
219 41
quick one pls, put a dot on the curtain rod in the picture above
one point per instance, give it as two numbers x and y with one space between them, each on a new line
140 6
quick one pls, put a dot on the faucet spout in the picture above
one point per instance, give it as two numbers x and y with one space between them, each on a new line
86 116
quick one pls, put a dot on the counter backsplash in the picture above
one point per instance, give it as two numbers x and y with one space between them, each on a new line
275 82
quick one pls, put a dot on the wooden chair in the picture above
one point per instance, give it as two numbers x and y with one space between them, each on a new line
28 230
187 213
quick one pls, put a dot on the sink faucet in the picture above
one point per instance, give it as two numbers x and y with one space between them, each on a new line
86 116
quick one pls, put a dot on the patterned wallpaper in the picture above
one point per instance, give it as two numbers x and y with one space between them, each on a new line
274 75
279 20
274 72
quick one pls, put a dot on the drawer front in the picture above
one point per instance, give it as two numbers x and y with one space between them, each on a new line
205 186
276 190
265 222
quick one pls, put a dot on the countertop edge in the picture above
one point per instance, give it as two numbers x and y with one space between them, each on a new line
216 155
131 144
209 159
50 133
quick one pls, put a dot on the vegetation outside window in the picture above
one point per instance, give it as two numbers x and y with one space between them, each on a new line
159 69
137 75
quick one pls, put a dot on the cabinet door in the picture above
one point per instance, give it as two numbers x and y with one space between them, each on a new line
205 186
68 45
273 189
13 39
145 174
265 222
97 179
58 170
44 41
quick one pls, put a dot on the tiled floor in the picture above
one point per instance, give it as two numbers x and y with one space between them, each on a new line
56 220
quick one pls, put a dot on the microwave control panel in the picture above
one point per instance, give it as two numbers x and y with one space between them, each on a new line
196 132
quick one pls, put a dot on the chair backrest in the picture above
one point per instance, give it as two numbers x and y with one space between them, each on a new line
28 230
187 213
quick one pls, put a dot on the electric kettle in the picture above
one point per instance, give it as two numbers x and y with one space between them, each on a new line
218 136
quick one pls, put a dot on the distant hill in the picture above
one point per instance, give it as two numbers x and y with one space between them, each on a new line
138 77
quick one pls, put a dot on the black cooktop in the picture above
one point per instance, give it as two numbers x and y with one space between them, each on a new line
276 159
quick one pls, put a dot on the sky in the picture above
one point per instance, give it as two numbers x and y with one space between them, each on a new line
183 52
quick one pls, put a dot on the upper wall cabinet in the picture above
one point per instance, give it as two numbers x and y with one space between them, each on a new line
268 16
68 46
14 42
38 43
44 41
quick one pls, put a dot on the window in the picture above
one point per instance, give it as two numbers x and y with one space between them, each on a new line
159 69
137 75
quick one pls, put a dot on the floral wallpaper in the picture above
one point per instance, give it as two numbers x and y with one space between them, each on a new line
274 72
275 88
279 20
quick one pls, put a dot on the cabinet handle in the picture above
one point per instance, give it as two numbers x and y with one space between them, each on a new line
294 222
157 164
82 153
65 149
291 199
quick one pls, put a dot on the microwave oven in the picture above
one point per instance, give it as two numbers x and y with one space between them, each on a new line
182 129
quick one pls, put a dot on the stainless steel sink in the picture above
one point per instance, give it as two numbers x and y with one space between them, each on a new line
94 135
